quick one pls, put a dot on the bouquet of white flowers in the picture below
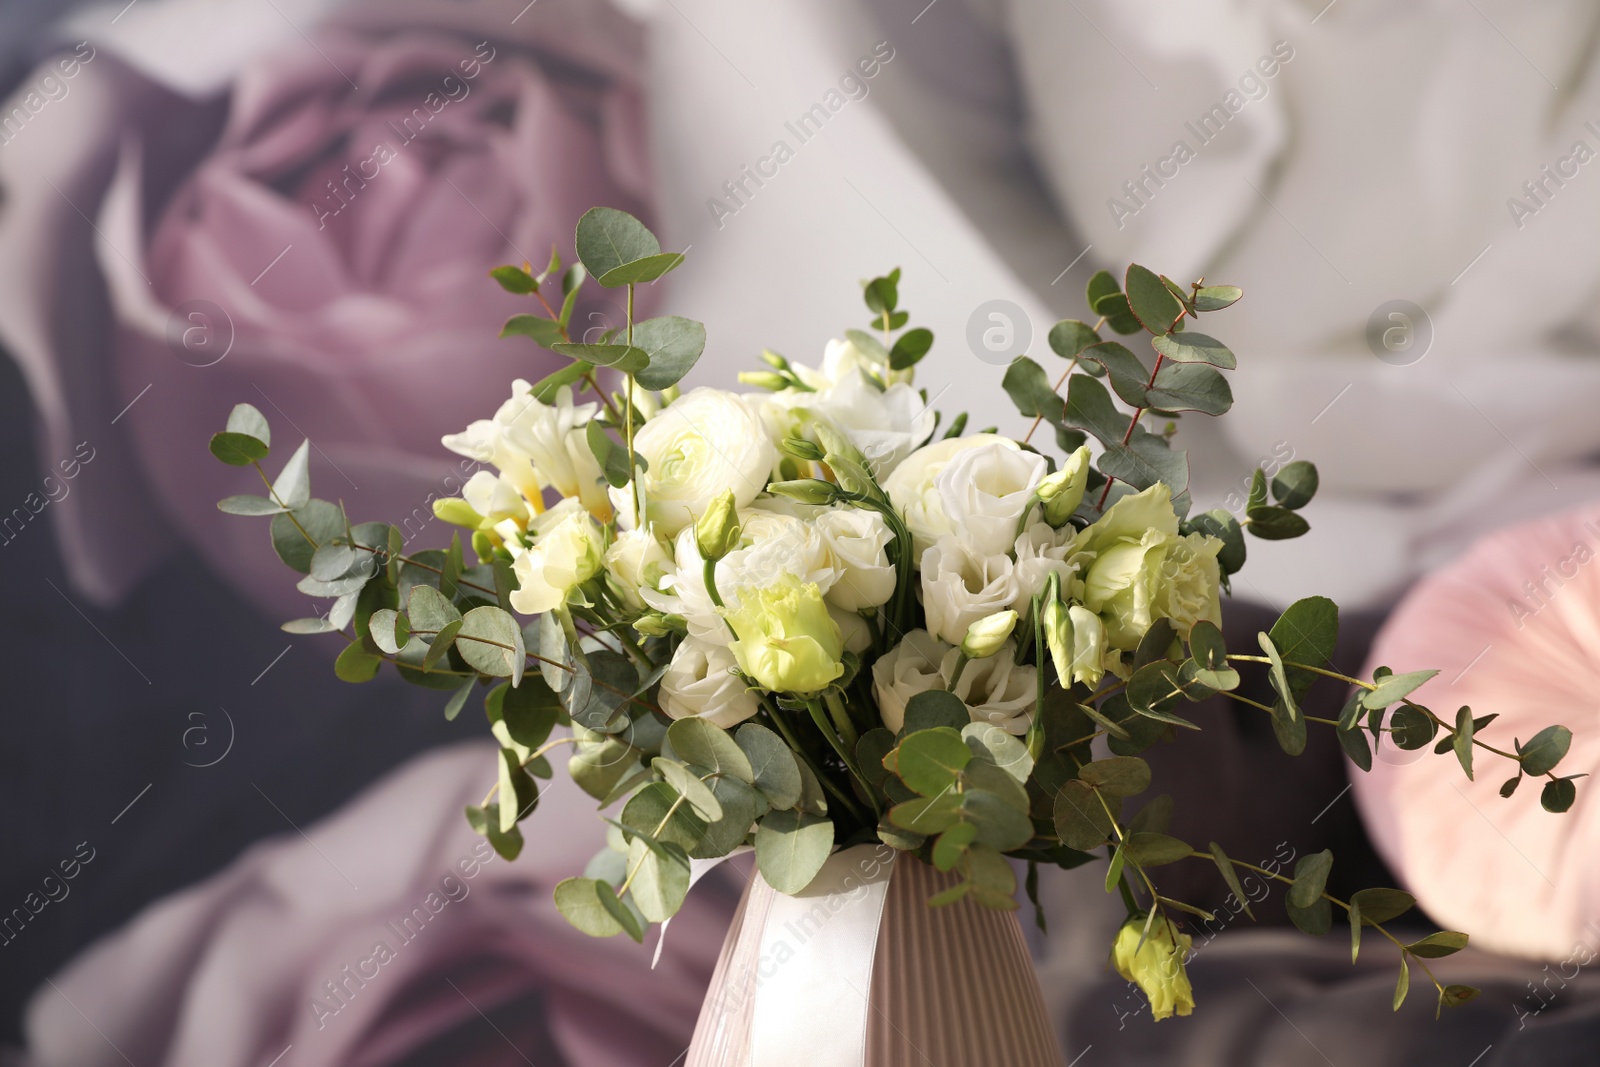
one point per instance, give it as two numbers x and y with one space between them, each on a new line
805 618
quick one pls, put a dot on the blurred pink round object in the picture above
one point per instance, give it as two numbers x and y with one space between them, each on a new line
1514 625
327 262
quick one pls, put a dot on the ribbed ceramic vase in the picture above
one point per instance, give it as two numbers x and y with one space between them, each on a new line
858 971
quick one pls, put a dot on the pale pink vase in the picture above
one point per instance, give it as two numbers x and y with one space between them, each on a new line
952 985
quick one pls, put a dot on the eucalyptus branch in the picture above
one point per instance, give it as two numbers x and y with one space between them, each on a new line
1061 381
588 377
273 493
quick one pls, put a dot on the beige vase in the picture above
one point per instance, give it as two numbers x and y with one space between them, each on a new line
858 971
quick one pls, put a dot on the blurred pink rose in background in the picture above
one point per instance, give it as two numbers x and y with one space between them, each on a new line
327 262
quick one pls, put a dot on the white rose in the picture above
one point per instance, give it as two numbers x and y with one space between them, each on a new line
984 491
1041 551
911 486
704 442
566 552
856 541
997 690
637 560
771 545
959 587
702 681
909 668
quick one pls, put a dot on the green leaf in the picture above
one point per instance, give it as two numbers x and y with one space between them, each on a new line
641 271
1030 389
1558 796
1193 347
250 506
1315 920
629 359
440 644
685 781
952 845
1509 786
1127 373
1402 986
1295 485
1151 301
599 690
927 815
491 641
1354 743
791 848
1216 297
929 760
1155 688
935 707
1081 822
673 345
992 880
1148 458
1544 750
772 762
1115 868
247 420
1354 915
607 238
1382 905
1310 878
1289 730
874 745
1190 387
514 280
1155 850
1462 742
1395 687
881 294
698 742
1207 646
1000 825
741 807
237 449
1101 285
1307 632
430 610
293 484
646 813
1118 776
1434 946
1275 524
909 349
1231 876
544 332
544 390
579 902
485 822
661 878
356 664
994 746
1069 337
528 711
1456 995
1225 528
389 629
519 795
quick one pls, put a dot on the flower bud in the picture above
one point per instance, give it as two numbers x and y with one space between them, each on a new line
986 636
1156 966
806 490
1088 645
764 379
852 475
799 448
654 624
1057 626
456 512
1062 492
773 360
717 532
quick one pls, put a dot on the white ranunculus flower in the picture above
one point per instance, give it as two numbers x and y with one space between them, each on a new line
636 561
704 442
771 545
909 668
566 552
884 423
495 497
997 690
702 681
856 541
911 486
959 587
1041 551
984 491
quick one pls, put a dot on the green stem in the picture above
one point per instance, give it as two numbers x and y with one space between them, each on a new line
633 473
820 717
782 724
962 659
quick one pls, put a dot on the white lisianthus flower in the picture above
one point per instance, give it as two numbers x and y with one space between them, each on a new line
1123 584
997 690
911 486
494 497
984 491
960 586
909 668
771 545
1088 646
1041 551
636 561
788 642
1191 589
857 540
852 628
702 681
704 442
566 552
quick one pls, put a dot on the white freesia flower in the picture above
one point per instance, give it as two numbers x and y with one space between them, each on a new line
911 486
856 541
997 690
984 491
566 552
636 561
702 682
538 446
960 586
1041 551
909 668
704 442
495 497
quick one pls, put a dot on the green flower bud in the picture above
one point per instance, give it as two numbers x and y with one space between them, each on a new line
717 532
1057 626
456 512
764 379
1156 966
986 636
787 640
655 624
806 490
852 475
773 360
483 544
800 448
1062 492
